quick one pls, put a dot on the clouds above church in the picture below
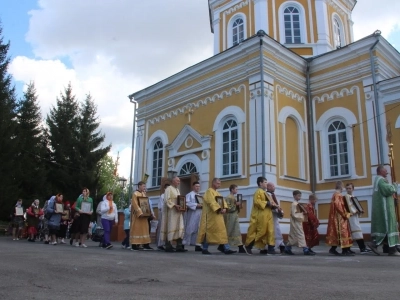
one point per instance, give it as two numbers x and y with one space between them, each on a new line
111 48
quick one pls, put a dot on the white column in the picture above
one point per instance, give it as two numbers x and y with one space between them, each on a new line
261 15
217 39
323 22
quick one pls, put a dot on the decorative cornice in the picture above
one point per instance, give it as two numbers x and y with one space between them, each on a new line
335 94
195 105
289 93
236 7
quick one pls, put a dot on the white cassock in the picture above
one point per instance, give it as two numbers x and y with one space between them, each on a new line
192 220
356 232
172 227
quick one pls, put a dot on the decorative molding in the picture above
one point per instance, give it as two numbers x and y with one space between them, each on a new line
188 132
335 95
195 105
335 6
236 7
290 93
189 142
257 93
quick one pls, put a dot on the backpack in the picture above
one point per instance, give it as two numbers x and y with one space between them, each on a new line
48 215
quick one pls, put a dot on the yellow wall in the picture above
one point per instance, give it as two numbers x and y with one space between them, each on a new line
392 114
292 148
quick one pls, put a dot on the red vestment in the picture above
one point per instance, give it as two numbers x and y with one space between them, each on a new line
338 233
310 227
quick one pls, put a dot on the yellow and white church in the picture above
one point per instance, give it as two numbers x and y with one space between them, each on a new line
288 95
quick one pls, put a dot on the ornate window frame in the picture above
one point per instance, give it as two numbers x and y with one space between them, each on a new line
159 135
230 28
338 25
348 118
303 27
230 112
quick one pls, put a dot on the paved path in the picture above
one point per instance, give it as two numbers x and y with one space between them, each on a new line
38 271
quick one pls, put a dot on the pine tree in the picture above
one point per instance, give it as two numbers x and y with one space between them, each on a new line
8 138
32 151
63 131
75 143
90 141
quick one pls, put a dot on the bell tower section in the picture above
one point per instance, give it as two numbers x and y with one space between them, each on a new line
308 27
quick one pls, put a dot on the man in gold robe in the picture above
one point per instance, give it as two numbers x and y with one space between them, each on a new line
212 226
261 228
139 232
338 231
172 228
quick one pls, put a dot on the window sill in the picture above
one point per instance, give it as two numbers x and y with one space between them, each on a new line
153 188
294 178
332 179
230 177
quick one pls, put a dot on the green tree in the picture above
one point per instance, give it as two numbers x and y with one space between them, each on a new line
63 130
90 140
8 138
31 147
75 143
108 181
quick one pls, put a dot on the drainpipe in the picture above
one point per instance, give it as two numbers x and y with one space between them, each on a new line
310 114
261 34
133 145
376 97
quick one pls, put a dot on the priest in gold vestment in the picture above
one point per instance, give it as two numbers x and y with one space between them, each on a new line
212 228
139 232
172 228
261 228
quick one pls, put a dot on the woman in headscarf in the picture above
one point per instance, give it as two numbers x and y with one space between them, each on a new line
33 214
109 217
55 218
84 206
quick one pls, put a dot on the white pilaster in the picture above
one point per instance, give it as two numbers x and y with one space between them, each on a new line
323 43
261 15
217 40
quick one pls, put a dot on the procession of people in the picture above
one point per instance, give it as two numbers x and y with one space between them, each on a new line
211 219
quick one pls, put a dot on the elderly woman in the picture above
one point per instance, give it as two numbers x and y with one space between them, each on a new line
109 217
55 217
33 214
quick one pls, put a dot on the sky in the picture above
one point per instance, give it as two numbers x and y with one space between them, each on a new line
112 48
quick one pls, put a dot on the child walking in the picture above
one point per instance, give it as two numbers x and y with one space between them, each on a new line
296 233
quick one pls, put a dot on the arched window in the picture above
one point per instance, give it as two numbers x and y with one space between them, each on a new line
157 163
338 32
187 169
338 151
237 31
230 148
291 17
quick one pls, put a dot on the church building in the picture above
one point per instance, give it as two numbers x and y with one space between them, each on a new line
288 95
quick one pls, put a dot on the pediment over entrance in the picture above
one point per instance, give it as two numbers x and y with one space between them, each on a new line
188 141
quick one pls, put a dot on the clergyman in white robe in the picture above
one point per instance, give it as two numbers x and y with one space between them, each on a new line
192 220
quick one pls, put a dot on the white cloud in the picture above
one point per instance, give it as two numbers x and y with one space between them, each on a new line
371 15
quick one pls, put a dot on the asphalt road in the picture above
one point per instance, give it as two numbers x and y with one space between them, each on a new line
38 271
